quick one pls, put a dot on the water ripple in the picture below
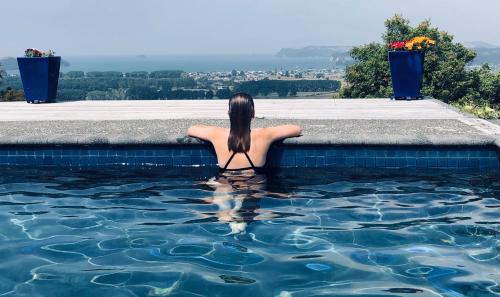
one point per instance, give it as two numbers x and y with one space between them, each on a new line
160 232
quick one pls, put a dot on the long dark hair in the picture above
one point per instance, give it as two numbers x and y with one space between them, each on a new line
241 112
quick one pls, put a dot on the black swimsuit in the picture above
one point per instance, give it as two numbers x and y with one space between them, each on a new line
256 169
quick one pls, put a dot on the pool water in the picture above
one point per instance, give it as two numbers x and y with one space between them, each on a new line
174 232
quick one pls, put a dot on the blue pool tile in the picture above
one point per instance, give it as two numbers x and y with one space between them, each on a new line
340 161
412 153
443 153
484 153
288 161
359 162
401 162
411 162
371 153
330 161
196 160
422 163
462 162
370 162
331 152
433 153
287 154
350 161
320 161
400 153
432 162
380 162
421 153
473 163
310 161
300 161
360 153
486 163
453 162
311 153
391 163
442 162
315 156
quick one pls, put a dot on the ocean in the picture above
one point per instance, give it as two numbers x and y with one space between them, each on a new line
195 63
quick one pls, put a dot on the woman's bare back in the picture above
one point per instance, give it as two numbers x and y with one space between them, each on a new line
261 140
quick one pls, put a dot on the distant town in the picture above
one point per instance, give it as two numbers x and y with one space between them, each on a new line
313 71
176 84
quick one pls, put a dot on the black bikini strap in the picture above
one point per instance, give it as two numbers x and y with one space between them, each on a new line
229 161
249 160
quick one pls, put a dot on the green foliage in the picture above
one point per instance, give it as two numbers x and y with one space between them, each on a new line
489 84
1 73
286 88
137 74
166 74
369 77
10 94
75 74
106 74
224 93
142 92
483 110
209 95
446 76
140 85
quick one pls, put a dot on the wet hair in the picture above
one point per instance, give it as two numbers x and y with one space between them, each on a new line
241 112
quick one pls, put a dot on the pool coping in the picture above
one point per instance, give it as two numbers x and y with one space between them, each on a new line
325 122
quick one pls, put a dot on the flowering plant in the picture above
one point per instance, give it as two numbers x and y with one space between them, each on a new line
416 43
35 53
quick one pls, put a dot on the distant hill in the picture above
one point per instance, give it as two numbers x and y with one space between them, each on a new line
479 44
487 55
10 63
314 51
486 52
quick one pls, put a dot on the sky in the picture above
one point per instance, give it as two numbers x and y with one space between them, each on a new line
212 27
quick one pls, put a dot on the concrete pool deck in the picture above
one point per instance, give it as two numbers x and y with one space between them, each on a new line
325 121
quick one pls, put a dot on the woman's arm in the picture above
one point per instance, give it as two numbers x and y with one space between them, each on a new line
202 132
283 131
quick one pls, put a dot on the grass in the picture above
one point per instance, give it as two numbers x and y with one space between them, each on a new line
482 110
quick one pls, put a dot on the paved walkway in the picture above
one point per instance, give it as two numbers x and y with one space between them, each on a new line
325 121
217 109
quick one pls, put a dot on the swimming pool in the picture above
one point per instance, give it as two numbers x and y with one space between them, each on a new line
125 231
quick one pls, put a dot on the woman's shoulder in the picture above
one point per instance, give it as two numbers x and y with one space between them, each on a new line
206 132
258 132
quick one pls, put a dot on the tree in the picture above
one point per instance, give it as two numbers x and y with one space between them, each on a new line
209 94
96 95
142 92
106 74
1 73
445 78
166 74
137 74
10 94
75 74
223 93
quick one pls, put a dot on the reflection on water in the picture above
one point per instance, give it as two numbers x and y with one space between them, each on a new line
160 232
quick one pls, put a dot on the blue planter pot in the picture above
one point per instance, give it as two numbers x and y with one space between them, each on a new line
407 71
40 77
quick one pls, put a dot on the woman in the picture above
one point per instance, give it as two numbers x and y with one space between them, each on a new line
240 148
241 156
